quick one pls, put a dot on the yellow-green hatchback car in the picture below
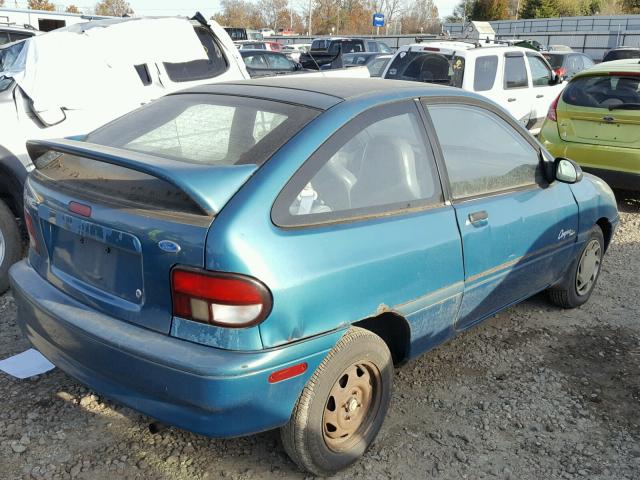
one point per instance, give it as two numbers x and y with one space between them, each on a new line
596 122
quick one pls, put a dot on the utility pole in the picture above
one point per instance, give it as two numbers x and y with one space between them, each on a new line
309 24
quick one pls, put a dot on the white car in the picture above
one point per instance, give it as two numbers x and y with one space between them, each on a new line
518 79
72 80
10 32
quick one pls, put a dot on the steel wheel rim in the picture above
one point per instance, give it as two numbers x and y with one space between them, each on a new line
2 248
588 267
352 405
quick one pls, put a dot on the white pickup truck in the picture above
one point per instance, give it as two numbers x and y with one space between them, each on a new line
518 79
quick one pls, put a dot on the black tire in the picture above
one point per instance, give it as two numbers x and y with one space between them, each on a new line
12 244
566 294
304 437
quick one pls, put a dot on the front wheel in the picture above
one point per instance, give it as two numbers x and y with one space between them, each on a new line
580 280
343 406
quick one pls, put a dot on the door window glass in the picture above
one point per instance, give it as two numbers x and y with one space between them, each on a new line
540 71
515 73
485 73
279 62
490 157
377 163
256 61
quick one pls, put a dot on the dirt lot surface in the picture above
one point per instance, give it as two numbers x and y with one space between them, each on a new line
534 393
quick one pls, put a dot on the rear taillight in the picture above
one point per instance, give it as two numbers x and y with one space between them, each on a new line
217 298
552 114
33 239
431 49
561 72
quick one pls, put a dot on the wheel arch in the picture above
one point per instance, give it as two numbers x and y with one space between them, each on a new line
395 331
607 231
12 177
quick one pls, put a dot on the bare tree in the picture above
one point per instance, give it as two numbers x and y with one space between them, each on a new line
114 8
72 9
41 5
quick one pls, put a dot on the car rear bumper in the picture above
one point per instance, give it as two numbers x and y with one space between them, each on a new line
206 390
618 166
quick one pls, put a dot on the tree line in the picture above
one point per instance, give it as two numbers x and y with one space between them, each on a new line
322 17
115 8
488 10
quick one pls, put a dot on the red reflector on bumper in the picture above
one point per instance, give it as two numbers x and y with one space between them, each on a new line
288 372
79 209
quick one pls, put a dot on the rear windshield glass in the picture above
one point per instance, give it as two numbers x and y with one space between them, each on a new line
207 129
621 55
215 65
554 60
427 67
603 92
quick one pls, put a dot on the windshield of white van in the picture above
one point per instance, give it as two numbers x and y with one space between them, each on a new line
427 67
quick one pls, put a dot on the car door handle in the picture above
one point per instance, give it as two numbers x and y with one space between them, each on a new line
477 217
539 96
511 99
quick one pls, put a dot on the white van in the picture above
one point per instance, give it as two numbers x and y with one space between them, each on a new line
72 80
518 79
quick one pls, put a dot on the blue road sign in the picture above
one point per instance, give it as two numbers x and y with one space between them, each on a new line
378 19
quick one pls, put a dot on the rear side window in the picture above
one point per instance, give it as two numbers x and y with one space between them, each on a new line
484 160
554 60
378 163
608 92
209 129
215 65
485 73
515 73
372 46
540 71
427 67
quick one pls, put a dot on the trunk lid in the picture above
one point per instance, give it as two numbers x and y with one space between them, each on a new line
601 109
113 223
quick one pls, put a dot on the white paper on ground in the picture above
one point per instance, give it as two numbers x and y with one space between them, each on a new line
26 364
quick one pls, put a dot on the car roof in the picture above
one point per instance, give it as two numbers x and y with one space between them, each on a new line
631 65
624 48
259 50
324 92
465 48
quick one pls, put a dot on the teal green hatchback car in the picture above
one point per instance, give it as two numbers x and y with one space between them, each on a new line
242 257
596 122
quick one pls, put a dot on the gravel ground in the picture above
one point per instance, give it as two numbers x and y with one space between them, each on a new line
533 393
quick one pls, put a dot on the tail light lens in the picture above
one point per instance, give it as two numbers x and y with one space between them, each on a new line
33 239
217 298
561 72
552 114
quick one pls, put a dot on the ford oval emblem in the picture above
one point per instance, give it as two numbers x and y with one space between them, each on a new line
169 246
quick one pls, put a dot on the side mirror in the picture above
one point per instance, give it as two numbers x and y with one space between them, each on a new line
298 66
567 171
555 79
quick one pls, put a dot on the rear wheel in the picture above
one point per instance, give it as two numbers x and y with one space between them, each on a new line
10 244
580 280
343 406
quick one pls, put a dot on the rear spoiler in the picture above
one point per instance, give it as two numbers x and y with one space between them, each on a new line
203 183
